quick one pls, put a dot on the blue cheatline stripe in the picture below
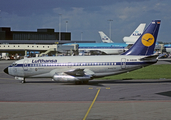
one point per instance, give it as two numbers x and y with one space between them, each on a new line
101 47
81 64
167 46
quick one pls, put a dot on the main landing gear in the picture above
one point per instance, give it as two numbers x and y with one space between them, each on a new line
81 82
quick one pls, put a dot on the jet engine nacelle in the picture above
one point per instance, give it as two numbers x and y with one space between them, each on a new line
69 78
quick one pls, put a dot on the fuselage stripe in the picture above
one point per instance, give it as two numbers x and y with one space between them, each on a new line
79 64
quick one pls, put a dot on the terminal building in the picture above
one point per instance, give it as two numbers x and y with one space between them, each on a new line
42 41
40 34
24 42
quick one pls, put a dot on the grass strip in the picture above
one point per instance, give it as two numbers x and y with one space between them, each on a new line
149 72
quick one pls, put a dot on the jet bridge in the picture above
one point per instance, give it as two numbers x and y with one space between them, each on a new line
72 49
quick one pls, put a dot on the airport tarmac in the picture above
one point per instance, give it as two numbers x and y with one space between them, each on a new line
99 100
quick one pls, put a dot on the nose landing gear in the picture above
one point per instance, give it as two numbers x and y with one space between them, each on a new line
21 79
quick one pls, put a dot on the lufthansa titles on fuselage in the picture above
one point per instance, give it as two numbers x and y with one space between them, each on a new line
44 61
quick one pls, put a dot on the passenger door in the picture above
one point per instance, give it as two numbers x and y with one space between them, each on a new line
123 63
25 65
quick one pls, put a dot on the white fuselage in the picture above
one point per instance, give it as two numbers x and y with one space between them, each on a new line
97 66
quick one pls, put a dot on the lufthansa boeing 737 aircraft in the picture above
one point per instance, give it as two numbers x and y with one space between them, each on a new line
81 69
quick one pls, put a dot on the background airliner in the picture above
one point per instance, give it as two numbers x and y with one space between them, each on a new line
105 38
168 48
128 40
135 35
81 69
108 46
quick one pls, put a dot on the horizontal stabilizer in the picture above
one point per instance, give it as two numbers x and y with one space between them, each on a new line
151 57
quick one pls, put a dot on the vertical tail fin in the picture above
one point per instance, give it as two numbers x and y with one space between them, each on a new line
146 42
105 38
139 30
135 35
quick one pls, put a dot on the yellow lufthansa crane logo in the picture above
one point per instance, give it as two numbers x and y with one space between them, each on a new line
147 39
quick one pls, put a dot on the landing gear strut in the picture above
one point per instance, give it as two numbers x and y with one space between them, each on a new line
23 81
85 82
81 82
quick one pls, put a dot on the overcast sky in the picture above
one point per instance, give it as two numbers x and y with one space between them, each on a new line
87 16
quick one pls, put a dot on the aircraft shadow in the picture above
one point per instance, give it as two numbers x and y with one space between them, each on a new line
103 82
130 81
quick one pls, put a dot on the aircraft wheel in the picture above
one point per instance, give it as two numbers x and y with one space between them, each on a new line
85 82
77 82
23 81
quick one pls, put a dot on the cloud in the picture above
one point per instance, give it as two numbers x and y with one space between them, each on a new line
85 17
28 7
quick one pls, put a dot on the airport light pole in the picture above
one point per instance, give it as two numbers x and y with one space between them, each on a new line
66 25
0 13
110 28
81 36
60 15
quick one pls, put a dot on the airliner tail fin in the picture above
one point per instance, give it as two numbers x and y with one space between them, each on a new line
139 30
146 42
105 38
135 35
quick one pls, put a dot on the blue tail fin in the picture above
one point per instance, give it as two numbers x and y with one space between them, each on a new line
146 43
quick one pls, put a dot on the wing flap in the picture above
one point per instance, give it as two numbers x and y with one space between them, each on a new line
79 72
76 72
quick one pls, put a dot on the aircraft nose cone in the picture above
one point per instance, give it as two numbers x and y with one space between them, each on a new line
6 70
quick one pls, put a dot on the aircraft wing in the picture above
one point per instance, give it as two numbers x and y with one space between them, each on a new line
76 72
79 72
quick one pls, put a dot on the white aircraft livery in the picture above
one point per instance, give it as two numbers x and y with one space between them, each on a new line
81 69
135 35
105 38
128 40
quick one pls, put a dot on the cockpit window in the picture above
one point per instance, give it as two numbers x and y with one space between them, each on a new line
14 64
